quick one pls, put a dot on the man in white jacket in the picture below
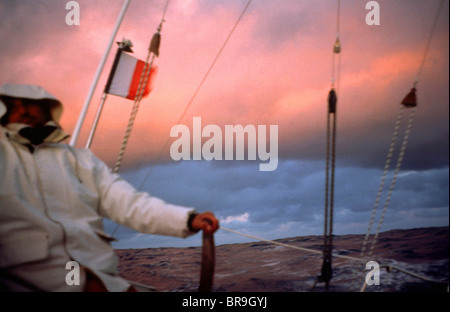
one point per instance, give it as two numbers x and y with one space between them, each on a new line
53 199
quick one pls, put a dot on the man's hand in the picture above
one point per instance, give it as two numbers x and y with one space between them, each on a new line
205 221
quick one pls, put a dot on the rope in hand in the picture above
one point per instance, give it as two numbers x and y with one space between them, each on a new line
208 247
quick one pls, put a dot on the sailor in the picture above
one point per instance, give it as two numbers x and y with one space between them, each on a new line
54 197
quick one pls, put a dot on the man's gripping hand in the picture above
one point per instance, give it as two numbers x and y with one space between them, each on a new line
205 221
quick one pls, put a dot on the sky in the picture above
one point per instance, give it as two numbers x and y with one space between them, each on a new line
276 69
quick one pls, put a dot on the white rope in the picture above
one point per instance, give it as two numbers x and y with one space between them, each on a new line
187 106
394 179
363 260
404 144
141 87
197 91
427 48
337 45
383 179
400 159
290 246
146 72
404 141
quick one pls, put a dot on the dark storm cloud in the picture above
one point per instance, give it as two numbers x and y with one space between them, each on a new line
290 201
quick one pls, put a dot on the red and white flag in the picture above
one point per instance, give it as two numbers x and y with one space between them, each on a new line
127 76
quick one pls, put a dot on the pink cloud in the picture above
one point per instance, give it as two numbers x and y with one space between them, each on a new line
262 77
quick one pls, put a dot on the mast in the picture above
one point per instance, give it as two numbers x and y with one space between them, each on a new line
84 110
124 45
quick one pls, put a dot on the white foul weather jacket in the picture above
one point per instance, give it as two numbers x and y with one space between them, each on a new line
52 202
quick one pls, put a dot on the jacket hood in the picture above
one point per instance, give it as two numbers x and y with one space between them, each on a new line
31 92
16 131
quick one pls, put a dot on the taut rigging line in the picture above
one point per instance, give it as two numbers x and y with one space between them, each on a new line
327 272
208 249
188 105
153 51
409 102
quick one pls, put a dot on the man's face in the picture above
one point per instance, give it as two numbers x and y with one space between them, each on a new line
27 112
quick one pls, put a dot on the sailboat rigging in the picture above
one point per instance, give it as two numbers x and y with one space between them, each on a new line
208 256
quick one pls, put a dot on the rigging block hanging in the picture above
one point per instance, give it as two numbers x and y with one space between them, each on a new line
410 99
155 43
337 46
332 100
